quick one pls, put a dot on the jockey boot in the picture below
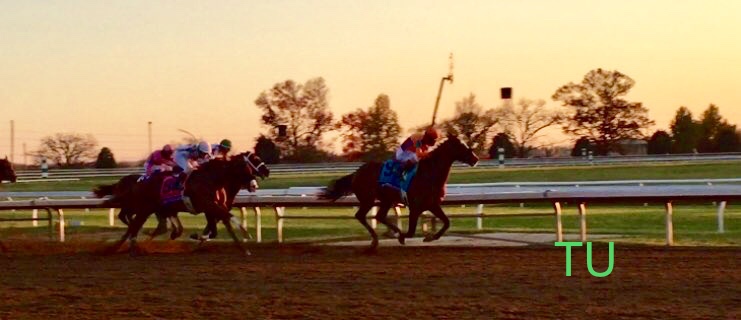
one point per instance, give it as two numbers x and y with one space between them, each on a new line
404 199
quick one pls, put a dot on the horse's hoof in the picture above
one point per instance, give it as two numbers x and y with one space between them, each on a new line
429 239
401 239
198 237
175 234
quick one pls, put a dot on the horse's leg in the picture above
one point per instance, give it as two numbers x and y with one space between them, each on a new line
360 215
162 218
226 218
125 215
413 217
129 231
134 229
177 226
382 215
210 229
438 212
209 232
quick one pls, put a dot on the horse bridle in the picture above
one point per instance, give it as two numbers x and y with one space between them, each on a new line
256 169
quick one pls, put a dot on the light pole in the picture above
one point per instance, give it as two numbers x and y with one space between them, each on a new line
449 77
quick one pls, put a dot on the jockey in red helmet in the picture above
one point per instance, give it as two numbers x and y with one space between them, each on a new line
415 147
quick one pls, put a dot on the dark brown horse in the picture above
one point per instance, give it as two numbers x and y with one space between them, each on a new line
211 189
8 174
6 170
121 193
426 191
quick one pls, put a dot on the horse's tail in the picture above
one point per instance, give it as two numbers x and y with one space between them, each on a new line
337 188
119 190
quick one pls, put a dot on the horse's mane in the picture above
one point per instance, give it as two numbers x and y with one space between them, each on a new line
212 164
440 150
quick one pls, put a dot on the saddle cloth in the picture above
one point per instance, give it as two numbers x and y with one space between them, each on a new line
171 191
391 175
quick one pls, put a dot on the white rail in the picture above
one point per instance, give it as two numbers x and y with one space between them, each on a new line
664 194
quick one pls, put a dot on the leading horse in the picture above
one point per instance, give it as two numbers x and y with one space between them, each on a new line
211 189
7 173
426 191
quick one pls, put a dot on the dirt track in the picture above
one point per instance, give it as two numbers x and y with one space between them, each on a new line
298 282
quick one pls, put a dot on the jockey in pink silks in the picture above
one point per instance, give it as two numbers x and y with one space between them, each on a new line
159 161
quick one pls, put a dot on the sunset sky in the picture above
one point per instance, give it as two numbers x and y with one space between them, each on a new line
108 67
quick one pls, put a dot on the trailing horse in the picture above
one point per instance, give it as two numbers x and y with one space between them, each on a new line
211 189
120 193
7 172
426 191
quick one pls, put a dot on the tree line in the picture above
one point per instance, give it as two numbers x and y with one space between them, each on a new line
594 112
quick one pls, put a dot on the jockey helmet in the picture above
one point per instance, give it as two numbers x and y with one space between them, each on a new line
166 150
225 144
203 147
430 135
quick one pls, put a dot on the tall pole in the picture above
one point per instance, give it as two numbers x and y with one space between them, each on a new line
149 135
449 77
12 140
25 156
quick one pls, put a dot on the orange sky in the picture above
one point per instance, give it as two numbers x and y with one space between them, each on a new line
108 67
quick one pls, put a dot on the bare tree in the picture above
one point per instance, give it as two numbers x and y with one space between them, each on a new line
526 121
68 149
471 123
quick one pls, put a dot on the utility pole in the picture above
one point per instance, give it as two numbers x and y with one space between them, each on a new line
449 77
25 156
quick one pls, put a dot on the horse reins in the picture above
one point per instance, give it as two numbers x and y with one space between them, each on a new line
256 169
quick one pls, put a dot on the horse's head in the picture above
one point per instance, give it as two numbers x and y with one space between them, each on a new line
253 167
460 151
6 170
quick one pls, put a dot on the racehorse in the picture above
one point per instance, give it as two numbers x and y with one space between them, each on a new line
6 170
121 195
122 190
210 189
426 191
6 173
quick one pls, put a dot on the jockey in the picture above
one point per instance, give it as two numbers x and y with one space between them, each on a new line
415 148
220 151
159 160
189 156
411 151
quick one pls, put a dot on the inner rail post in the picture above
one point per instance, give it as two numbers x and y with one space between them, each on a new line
559 225
669 224
258 224
583 221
